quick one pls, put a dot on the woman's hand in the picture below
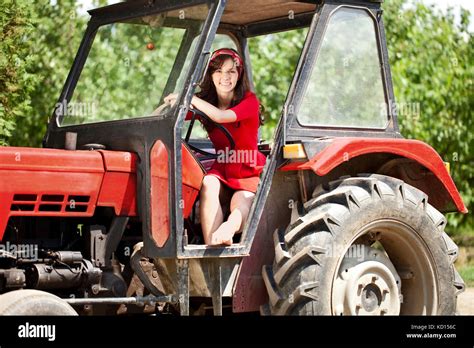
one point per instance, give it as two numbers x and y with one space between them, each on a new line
171 98
169 101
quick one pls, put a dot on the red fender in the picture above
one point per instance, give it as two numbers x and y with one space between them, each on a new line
342 150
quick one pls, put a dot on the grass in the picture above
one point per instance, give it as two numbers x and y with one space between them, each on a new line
467 273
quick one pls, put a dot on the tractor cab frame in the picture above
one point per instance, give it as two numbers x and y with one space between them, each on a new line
139 135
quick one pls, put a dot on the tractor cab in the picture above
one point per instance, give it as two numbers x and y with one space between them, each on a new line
157 50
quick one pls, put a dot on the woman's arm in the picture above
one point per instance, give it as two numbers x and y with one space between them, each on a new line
217 115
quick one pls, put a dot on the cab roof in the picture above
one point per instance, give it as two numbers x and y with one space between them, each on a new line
237 12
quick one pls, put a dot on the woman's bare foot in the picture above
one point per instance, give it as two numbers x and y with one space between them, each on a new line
223 235
240 206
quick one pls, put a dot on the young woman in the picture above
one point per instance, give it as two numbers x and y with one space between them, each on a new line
225 97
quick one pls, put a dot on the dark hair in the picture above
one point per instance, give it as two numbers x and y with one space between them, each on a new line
208 90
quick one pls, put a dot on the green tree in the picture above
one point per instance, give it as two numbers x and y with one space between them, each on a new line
274 58
432 66
16 82
53 43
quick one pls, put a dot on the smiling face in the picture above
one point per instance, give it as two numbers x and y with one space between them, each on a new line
225 78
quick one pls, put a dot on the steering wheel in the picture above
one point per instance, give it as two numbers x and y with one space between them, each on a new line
206 120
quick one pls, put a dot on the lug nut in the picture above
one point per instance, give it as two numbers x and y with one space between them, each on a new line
95 289
384 294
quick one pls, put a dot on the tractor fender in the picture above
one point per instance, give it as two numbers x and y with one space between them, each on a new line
336 151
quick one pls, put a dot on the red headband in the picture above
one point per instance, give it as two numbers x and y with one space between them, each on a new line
228 52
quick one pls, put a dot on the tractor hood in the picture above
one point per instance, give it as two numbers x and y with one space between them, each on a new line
50 182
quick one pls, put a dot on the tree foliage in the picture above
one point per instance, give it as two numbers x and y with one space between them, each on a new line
16 79
432 68
52 44
274 58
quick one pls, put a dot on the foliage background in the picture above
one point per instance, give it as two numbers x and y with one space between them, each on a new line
431 59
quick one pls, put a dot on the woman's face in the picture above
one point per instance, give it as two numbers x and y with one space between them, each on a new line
225 78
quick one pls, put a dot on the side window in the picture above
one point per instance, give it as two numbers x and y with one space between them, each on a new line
345 88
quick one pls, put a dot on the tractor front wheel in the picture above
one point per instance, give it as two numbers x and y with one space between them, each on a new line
369 245
33 302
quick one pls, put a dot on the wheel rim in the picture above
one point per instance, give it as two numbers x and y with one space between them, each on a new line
369 287
398 277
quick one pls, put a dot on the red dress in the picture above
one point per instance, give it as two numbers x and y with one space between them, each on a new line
239 168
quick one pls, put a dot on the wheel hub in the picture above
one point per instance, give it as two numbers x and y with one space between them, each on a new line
367 285
371 297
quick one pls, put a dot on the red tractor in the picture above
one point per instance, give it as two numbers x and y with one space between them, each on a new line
348 216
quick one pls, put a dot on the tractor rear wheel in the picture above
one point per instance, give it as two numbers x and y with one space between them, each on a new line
33 302
369 245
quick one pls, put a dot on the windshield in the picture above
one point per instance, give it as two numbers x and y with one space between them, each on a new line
133 65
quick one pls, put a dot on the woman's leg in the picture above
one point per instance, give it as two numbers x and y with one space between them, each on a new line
239 211
210 207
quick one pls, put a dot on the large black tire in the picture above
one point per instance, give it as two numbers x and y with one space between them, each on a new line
361 211
33 302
